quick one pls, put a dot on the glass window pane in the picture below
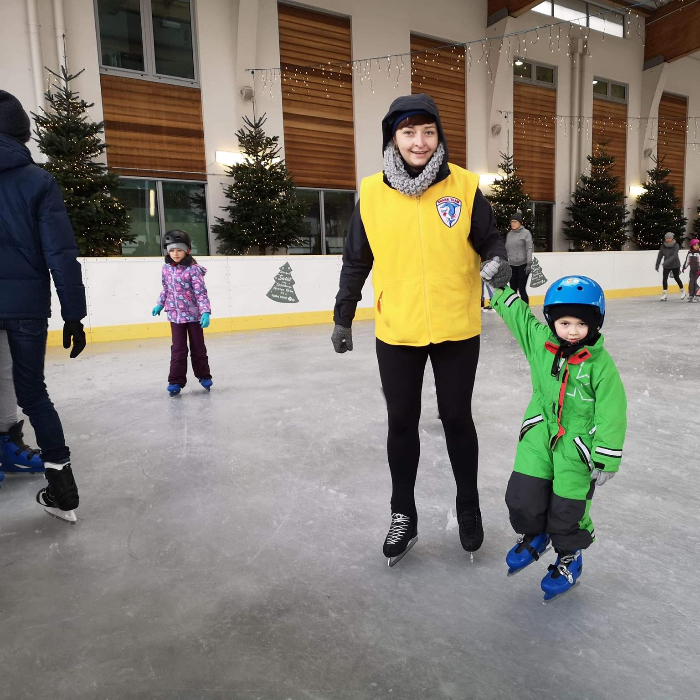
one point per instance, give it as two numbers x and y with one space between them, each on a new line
619 92
172 38
312 223
605 21
337 210
572 11
544 74
120 33
185 208
600 87
140 198
544 7
524 70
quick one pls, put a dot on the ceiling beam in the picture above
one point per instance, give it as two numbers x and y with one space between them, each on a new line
672 32
514 8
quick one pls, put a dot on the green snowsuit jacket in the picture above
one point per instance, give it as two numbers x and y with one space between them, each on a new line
574 422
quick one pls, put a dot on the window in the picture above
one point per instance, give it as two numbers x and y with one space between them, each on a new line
157 206
327 219
151 39
607 90
586 14
530 72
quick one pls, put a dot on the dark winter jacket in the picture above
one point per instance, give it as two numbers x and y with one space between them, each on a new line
669 254
35 237
357 255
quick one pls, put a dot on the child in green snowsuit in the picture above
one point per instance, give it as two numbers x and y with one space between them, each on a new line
573 430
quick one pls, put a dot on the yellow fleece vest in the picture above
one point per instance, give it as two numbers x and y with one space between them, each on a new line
426 280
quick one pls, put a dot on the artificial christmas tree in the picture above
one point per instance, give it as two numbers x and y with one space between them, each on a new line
598 214
658 212
264 210
71 142
283 288
508 195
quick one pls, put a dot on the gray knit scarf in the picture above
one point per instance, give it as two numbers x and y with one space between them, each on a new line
400 180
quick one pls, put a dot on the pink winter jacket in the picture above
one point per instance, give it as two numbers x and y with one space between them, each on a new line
184 294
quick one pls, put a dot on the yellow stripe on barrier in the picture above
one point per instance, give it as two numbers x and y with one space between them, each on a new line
140 331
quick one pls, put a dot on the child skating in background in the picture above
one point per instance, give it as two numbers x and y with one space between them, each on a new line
184 296
692 261
671 262
573 431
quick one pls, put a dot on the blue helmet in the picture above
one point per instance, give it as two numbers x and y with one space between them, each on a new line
575 289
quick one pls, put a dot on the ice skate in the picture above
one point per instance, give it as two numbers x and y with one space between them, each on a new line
2 478
206 383
527 550
15 456
403 534
471 531
174 389
683 294
563 575
664 297
60 497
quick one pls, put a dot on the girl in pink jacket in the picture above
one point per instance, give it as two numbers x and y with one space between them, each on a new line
184 296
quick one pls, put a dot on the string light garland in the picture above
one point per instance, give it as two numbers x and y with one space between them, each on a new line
299 78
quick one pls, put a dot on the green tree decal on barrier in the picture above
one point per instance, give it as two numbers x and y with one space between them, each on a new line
283 289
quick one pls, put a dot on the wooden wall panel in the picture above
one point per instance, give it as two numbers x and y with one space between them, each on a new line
441 74
673 31
673 112
153 129
610 130
317 104
534 138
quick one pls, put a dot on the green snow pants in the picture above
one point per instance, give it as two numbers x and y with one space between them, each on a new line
550 490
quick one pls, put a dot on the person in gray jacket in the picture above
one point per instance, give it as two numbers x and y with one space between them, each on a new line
671 262
519 249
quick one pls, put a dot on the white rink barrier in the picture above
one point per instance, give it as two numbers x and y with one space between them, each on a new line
274 291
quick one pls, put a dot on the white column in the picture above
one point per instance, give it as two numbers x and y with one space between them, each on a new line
60 25
35 49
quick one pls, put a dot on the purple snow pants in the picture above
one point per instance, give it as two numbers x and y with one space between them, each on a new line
178 353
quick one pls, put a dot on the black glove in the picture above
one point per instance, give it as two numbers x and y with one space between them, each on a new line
74 334
341 338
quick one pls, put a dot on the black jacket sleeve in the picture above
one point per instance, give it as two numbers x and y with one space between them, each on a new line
357 264
61 252
484 236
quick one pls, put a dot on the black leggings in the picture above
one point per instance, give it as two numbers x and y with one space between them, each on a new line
518 281
676 272
401 368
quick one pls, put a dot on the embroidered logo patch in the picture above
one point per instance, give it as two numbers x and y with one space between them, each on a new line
449 209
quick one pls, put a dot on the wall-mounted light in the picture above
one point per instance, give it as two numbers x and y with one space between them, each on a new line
647 152
487 179
595 82
229 158
636 191
519 62
496 129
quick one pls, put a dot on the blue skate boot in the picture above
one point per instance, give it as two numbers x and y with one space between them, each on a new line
174 389
528 548
562 575
206 383
15 456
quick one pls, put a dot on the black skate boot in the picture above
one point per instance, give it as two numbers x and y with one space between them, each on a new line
60 497
403 534
471 531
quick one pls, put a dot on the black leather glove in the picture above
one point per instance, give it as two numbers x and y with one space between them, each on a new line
74 334
342 338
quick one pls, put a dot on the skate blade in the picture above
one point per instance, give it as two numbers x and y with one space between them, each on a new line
393 561
65 515
513 572
547 600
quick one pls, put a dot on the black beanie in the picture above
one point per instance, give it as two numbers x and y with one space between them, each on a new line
589 314
518 216
14 121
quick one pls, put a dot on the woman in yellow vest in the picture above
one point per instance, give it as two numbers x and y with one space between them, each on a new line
425 229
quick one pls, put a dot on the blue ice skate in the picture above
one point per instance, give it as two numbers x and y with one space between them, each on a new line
174 389
15 456
526 550
562 575
206 383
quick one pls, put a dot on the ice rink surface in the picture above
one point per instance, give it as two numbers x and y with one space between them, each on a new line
229 544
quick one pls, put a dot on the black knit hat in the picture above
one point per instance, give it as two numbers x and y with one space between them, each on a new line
518 216
590 315
14 121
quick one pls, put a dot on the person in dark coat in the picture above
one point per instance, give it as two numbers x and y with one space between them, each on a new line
37 243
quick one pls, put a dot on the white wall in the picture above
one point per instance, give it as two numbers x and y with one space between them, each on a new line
122 291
